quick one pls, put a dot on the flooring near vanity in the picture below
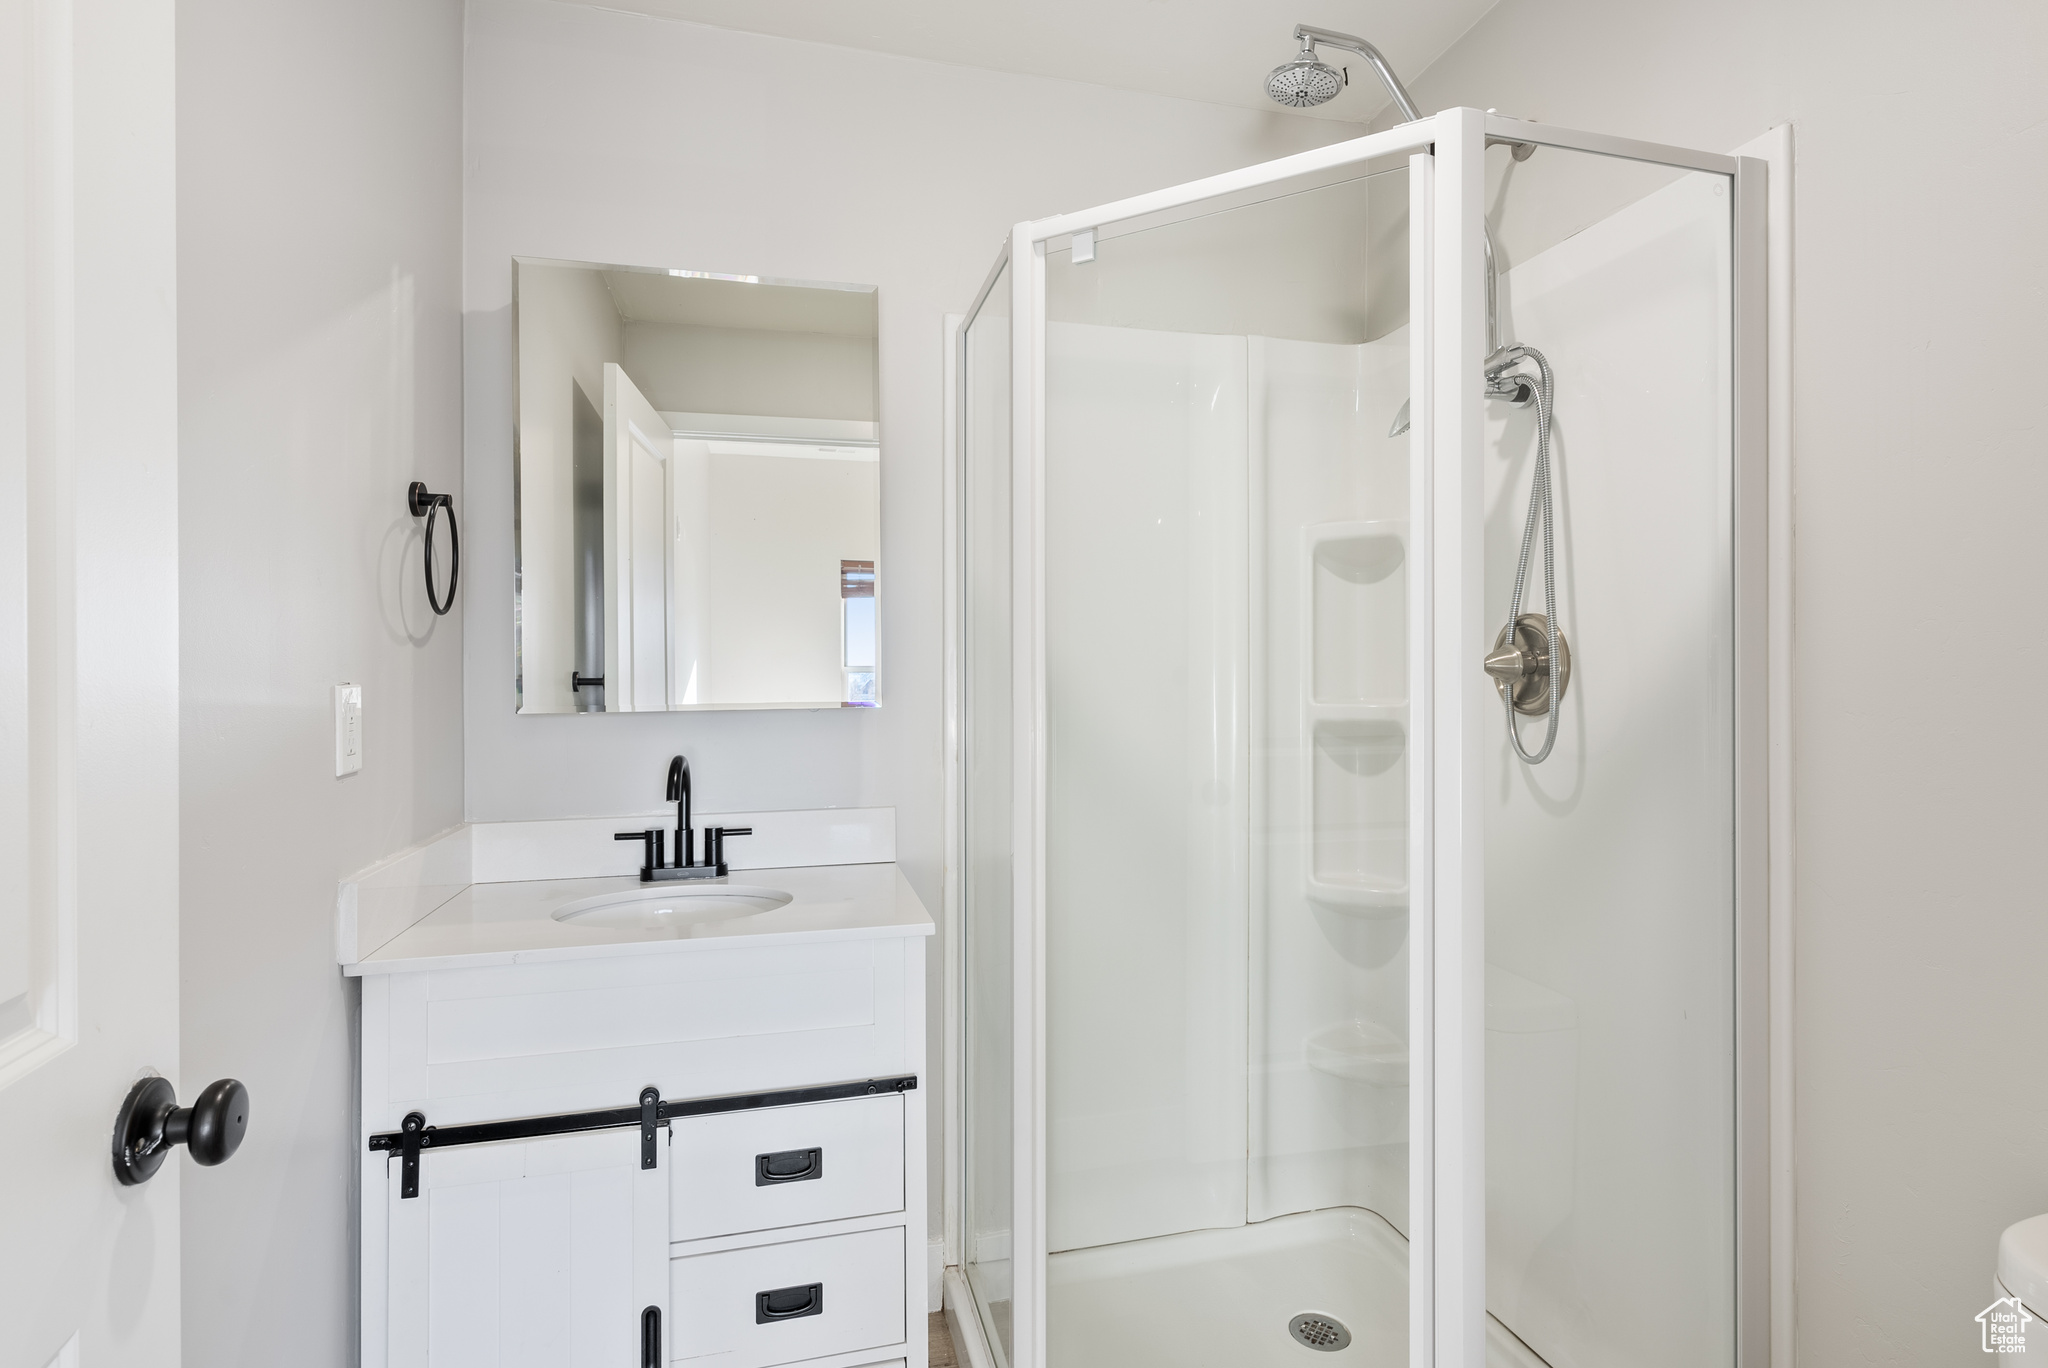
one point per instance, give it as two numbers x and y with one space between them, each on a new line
940 1340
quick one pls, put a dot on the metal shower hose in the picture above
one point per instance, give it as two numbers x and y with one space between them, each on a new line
1539 510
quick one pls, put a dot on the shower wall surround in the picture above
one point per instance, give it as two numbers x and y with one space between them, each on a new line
1613 860
1296 431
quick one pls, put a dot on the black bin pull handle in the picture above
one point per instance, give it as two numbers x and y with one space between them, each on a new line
789 1303
650 1338
788 1166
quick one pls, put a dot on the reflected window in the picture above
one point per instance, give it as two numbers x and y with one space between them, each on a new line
857 633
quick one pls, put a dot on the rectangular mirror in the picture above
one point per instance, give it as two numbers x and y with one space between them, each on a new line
696 490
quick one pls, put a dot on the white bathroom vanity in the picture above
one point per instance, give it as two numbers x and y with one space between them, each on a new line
607 1122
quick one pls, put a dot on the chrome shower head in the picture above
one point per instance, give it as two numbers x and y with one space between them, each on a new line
1305 82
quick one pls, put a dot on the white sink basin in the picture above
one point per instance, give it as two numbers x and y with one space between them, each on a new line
664 906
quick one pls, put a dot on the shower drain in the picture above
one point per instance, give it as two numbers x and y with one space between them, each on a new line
1318 1331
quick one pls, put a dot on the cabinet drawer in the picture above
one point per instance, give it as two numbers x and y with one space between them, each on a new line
785 1166
781 1302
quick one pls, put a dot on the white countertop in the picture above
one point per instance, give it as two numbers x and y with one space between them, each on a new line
513 923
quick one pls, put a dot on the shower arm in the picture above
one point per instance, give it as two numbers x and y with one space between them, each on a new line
1309 35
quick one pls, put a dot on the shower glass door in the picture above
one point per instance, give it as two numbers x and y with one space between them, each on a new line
988 735
1185 694
1610 932
1299 1013
1224 520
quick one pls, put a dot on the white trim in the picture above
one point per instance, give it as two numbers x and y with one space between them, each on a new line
1775 149
1502 129
783 449
1458 842
849 287
1422 762
1750 562
1394 141
1027 1077
843 431
952 942
51 597
1422 218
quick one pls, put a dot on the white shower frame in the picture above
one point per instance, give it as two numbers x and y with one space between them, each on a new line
1447 630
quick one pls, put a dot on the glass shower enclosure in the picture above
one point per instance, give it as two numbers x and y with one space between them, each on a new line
1298 1014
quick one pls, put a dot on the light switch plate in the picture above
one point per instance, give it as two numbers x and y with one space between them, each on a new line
348 729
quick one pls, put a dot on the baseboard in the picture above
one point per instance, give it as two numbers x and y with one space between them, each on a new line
935 1276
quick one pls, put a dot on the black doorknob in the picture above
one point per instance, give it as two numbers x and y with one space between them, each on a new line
151 1123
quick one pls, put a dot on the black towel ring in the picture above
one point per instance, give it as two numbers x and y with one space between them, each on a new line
429 506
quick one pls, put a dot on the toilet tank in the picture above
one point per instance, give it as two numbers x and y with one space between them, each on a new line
1532 1047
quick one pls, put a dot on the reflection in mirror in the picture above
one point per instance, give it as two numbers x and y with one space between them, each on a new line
696 493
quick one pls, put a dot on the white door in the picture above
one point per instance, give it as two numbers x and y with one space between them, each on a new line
636 566
88 675
547 1253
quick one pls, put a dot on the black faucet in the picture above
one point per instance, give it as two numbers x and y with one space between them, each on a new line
679 794
653 866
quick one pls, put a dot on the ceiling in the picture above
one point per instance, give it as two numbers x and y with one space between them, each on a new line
711 302
1217 51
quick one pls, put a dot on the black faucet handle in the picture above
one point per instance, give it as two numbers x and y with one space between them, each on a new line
652 841
714 844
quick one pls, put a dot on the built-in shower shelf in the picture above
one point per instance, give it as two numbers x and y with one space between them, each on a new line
1374 901
1361 1051
1354 717
1355 594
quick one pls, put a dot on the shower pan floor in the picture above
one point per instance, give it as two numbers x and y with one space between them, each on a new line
1225 1297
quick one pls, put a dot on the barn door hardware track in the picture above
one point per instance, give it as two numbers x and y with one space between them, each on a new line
648 1114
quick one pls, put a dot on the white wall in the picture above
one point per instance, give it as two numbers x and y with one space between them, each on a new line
319 166
779 528
857 167
1922 145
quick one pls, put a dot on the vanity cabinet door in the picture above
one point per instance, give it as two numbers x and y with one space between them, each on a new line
529 1254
